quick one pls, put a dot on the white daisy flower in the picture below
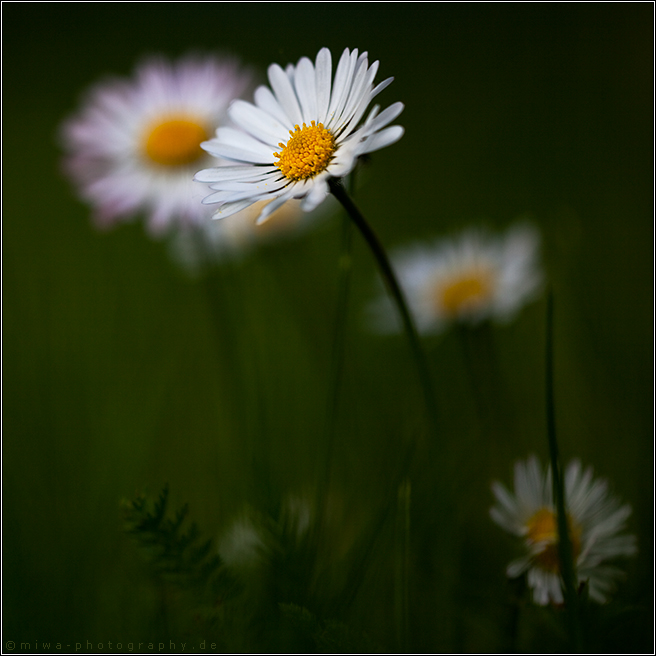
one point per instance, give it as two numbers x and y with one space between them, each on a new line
300 133
135 144
595 519
466 279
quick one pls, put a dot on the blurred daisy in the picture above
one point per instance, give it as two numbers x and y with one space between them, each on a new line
300 133
197 247
595 519
255 538
135 144
466 279
243 546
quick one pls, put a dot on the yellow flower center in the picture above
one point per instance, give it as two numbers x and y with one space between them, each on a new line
464 292
307 152
543 528
175 142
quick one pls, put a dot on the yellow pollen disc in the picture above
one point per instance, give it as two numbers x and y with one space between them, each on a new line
175 142
307 152
542 527
467 291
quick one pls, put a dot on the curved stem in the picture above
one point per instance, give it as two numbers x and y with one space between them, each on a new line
396 293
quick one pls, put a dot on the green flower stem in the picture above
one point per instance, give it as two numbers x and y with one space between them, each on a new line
517 593
365 549
337 359
564 541
402 573
344 268
396 293
232 324
336 369
402 587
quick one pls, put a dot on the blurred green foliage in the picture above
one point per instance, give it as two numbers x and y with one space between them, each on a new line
121 374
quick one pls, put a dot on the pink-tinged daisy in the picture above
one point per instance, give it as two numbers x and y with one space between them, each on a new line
304 130
468 279
595 518
134 145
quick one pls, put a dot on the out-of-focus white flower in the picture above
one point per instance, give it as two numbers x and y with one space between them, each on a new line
469 278
301 132
254 537
134 145
196 247
243 545
595 518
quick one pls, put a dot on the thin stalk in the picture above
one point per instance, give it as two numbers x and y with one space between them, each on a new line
337 355
402 587
517 592
564 540
403 499
395 292
233 326
344 268
358 567
335 375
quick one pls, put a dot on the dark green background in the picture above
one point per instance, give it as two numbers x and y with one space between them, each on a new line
117 380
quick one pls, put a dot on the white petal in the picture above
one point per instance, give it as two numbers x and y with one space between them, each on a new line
232 208
518 567
272 207
236 154
285 95
380 86
255 186
232 137
504 520
317 194
381 139
323 71
222 173
504 497
361 99
255 191
385 117
358 93
266 101
237 145
218 197
365 101
301 188
227 185
257 122
343 169
343 162
372 115
341 85
522 488
345 126
372 124
306 90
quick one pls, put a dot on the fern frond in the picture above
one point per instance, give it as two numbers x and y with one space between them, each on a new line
176 555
